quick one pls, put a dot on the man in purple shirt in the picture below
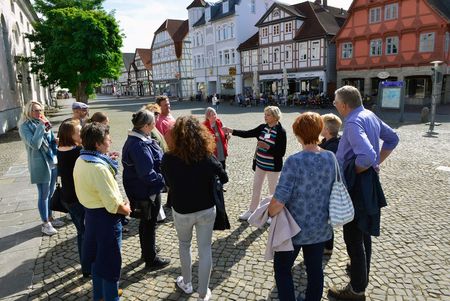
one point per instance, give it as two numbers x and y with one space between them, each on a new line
360 142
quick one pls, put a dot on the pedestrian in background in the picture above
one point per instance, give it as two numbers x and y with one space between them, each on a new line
98 191
215 102
80 111
268 158
304 189
360 155
99 117
69 147
143 182
190 169
215 127
36 133
330 142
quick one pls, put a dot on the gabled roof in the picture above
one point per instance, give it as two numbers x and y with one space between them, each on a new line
170 25
251 43
177 29
197 3
217 11
319 21
146 57
442 7
290 9
128 59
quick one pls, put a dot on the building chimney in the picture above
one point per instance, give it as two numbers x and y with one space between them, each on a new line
319 2
325 3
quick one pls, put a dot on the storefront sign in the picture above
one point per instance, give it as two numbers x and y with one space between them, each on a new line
391 96
232 71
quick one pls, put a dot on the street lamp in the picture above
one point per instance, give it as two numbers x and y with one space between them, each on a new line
436 94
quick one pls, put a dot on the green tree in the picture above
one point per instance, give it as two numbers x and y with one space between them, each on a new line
76 48
45 6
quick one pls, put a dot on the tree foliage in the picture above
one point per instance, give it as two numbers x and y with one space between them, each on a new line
45 6
76 48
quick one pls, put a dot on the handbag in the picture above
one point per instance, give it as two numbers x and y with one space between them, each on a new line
341 209
142 209
56 201
221 222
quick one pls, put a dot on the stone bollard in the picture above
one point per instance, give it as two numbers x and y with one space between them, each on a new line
424 115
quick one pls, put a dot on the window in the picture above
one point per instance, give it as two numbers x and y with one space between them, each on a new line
315 50
303 51
226 55
225 6
246 56
426 42
392 45
265 56
447 42
13 9
253 6
233 56
276 55
288 27
276 29
218 33
375 47
347 50
232 30
226 32
276 14
21 17
265 32
418 87
288 53
220 58
375 15
254 57
391 11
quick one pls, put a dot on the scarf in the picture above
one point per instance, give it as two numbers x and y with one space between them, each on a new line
97 157
46 149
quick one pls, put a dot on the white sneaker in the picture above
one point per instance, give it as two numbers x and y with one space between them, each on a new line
244 216
48 229
269 221
57 223
207 296
185 287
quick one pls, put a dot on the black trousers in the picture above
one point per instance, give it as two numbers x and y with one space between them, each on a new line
147 232
359 249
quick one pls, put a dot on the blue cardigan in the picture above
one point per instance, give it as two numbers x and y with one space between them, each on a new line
141 159
37 164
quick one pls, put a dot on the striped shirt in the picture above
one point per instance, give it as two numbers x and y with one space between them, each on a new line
264 160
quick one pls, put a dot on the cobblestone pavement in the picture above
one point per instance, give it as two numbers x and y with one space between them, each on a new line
411 258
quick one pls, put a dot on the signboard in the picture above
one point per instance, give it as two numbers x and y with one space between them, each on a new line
391 96
383 75
232 71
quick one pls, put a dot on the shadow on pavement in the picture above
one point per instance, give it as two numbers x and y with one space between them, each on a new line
17 238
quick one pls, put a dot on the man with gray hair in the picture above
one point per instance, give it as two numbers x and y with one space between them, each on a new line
360 155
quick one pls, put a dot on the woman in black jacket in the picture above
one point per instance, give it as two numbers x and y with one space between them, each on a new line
190 169
69 147
270 149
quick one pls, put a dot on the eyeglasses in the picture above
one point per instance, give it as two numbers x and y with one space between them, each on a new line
39 110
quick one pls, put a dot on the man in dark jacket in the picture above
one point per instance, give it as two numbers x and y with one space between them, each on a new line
360 143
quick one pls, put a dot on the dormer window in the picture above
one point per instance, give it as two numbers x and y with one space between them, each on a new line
276 14
208 14
225 6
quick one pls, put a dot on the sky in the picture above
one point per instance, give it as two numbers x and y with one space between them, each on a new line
139 19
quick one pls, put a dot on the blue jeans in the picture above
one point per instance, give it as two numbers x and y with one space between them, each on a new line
77 213
45 192
359 249
102 288
282 264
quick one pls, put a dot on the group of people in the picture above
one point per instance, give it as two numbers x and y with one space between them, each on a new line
184 157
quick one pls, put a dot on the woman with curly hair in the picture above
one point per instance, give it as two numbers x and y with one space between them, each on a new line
190 168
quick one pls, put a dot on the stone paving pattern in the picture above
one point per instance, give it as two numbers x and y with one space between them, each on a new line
411 258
